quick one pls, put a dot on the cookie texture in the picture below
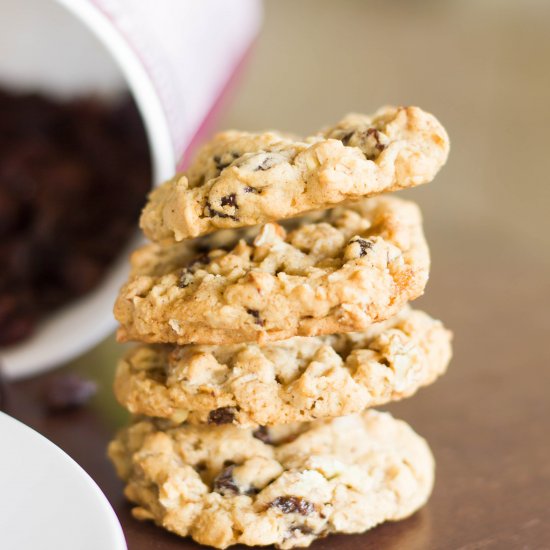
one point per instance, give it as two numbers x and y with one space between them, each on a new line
242 179
287 486
359 265
296 380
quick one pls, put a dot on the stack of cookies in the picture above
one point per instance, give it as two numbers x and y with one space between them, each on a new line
270 326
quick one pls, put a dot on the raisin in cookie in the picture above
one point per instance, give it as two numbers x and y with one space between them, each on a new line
242 179
295 380
358 266
287 486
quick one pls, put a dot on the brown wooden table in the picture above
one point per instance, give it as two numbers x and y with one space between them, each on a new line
487 420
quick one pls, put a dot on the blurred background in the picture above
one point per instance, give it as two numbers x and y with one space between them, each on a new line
483 68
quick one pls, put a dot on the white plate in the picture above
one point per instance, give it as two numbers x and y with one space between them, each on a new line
48 501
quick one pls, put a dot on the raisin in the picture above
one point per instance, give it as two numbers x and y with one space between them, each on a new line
298 530
256 314
66 169
266 164
223 415
199 467
223 164
376 134
203 259
17 317
345 139
81 274
186 274
213 213
202 246
262 433
8 213
229 200
225 484
364 245
249 189
293 505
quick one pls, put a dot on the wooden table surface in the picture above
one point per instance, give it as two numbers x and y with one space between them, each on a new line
486 421
483 69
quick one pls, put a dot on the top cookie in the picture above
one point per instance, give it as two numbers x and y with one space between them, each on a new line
242 179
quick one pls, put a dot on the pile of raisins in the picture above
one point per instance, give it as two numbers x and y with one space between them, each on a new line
73 178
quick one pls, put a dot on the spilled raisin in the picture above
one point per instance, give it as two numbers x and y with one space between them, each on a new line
293 505
223 415
68 391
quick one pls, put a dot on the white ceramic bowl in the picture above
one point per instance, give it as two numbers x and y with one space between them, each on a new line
175 72
50 502
75 26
